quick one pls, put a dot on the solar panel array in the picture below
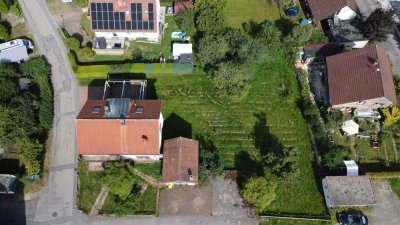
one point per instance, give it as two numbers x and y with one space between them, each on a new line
104 17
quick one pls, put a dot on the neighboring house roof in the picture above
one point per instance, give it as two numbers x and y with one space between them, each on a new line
124 16
8 184
119 126
14 54
348 191
359 75
322 50
180 5
181 157
323 9
179 48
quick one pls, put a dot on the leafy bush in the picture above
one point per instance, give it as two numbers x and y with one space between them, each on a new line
5 31
391 114
259 192
87 51
209 159
3 6
16 10
8 89
30 152
119 179
335 156
209 15
185 21
73 44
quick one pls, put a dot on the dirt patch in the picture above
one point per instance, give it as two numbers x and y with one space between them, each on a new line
95 166
195 201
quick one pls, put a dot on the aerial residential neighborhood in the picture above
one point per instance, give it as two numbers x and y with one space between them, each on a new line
212 112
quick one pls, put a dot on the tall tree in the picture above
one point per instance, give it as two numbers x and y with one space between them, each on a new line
5 31
3 6
379 24
212 50
391 114
335 156
209 15
118 177
8 89
185 21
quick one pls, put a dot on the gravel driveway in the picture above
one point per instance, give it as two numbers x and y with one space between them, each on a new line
387 209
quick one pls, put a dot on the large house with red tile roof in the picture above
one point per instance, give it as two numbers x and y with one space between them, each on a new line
120 127
130 19
180 162
360 79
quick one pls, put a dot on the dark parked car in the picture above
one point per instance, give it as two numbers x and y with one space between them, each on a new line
352 219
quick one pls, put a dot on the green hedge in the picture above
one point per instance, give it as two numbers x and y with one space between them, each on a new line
101 71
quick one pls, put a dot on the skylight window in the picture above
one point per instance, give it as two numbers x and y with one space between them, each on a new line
96 109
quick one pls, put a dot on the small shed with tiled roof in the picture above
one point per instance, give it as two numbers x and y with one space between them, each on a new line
181 161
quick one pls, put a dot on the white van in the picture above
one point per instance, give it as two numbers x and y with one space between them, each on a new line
15 50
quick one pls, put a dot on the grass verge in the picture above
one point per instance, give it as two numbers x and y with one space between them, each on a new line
395 184
89 187
150 169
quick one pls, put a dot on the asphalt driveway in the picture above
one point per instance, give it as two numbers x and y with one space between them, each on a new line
387 209
195 201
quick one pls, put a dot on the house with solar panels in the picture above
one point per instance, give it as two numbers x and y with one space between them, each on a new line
113 21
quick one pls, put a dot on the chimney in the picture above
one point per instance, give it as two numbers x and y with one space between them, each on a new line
144 138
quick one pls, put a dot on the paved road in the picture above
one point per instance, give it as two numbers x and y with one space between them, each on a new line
387 208
57 199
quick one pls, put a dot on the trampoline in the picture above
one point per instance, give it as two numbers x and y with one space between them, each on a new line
292 12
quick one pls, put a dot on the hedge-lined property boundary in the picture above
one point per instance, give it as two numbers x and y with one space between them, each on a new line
102 71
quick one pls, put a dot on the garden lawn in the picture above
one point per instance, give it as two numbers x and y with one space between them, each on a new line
395 184
293 222
190 102
150 169
89 187
153 50
239 11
